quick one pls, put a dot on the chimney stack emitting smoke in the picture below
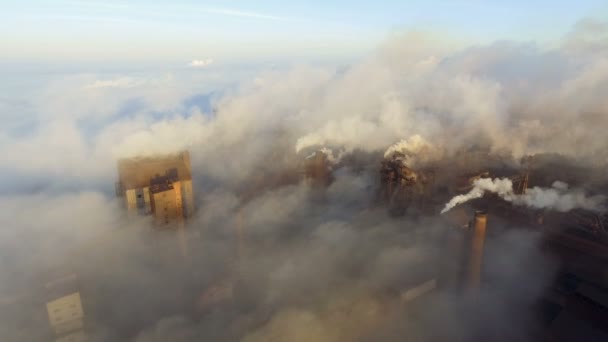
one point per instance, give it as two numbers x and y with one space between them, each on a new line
558 197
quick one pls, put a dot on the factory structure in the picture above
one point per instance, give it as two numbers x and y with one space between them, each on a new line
161 187
401 187
574 307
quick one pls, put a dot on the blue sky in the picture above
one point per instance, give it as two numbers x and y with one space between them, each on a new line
159 31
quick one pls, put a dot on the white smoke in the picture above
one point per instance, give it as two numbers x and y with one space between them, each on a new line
307 141
414 144
502 187
416 150
331 158
557 197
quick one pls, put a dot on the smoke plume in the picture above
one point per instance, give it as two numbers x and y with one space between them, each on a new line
331 158
558 197
415 149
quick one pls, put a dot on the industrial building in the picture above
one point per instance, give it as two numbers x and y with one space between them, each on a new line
160 186
401 187
575 306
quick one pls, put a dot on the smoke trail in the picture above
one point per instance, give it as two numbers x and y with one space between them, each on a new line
502 187
557 197
416 150
414 144
331 158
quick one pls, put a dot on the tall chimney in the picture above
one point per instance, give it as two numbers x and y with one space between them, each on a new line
476 256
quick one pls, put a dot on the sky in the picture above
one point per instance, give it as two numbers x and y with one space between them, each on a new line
65 31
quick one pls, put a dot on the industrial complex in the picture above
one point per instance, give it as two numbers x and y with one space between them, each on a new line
160 190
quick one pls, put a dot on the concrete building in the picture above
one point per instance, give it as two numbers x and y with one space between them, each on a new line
160 186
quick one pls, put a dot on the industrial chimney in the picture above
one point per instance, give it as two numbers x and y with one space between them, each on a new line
476 253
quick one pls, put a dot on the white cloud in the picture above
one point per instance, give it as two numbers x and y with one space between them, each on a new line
200 63
120 82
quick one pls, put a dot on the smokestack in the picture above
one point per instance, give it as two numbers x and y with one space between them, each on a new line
476 254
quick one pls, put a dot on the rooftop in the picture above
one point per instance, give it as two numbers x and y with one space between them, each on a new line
137 172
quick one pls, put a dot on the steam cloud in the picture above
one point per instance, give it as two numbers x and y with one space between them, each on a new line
557 197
